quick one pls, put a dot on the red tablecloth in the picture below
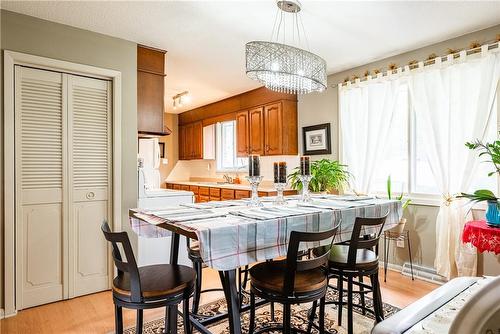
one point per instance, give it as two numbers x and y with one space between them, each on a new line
482 236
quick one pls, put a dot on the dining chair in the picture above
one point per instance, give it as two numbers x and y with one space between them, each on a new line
139 288
356 259
294 280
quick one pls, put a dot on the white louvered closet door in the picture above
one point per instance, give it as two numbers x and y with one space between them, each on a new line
40 186
89 106
63 173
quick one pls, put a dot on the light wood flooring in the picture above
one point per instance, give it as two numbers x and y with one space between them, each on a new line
95 313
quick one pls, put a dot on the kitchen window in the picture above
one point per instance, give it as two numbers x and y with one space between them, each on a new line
227 160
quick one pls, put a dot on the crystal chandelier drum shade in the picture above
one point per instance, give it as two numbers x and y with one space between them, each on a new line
285 68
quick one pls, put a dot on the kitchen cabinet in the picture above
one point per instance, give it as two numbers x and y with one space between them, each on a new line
215 194
268 130
239 194
191 141
227 194
151 91
242 135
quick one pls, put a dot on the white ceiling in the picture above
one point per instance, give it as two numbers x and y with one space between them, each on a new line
205 40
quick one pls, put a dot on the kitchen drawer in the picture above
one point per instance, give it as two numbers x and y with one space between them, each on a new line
227 193
204 191
214 198
184 187
194 189
241 194
214 192
266 193
170 186
289 192
176 187
204 198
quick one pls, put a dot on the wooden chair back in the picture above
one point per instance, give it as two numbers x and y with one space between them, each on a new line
127 265
358 242
296 263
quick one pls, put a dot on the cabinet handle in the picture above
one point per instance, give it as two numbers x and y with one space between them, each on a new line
90 195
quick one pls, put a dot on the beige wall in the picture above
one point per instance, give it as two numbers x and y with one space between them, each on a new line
42 38
171 146
323 107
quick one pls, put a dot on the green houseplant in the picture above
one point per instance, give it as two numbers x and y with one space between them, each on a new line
492 152
326 175
402 222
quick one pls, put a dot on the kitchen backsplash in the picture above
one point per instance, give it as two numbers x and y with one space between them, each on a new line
186 170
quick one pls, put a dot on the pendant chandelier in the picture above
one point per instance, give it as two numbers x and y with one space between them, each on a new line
286 68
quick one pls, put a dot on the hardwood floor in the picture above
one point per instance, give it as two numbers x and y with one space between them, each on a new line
94 313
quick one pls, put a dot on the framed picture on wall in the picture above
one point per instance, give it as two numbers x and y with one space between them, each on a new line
317 139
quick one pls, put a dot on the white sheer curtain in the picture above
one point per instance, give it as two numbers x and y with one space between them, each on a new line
453 104
366 112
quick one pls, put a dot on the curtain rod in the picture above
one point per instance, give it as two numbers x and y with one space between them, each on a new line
412 66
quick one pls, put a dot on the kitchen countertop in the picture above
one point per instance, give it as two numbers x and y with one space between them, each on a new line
226 185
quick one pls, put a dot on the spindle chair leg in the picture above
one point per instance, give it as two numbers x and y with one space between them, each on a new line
322 315
362 294
340 288
251 326
185 316
118 319
198 267
287 319
312 315
138 327
349 306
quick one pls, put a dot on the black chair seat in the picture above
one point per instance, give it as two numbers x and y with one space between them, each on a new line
270 277
365 258
158 281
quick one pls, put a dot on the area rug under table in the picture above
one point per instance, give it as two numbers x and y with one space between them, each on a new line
362 323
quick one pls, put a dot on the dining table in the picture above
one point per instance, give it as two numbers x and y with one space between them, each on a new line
232 234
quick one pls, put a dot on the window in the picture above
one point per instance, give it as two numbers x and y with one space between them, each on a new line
405 158
226 148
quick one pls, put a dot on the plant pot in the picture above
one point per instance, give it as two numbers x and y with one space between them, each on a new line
399 227
493 213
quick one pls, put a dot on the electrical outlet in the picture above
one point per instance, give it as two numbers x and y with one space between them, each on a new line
400 243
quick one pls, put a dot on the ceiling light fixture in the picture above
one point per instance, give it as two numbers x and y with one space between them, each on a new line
286 68
181 99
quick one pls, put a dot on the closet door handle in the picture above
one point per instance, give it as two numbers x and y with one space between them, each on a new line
90 195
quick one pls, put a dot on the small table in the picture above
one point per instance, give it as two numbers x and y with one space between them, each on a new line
482 236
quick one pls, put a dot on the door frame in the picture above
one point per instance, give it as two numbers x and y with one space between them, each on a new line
12 58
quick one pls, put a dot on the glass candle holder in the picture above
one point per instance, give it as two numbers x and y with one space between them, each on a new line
305 196
254 183
280 199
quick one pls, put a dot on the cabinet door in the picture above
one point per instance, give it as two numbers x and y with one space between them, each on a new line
256 138
197 140
89 113
242 147
188 142
273 122
41 219
182 142
150 94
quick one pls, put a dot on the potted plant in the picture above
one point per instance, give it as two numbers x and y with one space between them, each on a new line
492 151
326 176
402 222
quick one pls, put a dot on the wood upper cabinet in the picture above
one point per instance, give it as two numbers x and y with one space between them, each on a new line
280 128
150 91
242 135
191 141
256 130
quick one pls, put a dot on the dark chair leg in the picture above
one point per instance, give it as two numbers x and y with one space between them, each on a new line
322 315
362 295
312 315
118 319
409 253
198 267
138 327
245 278
272 312
349 306
185 316
166 330
172 324
251 326
386 255
340 288
287 319
377 298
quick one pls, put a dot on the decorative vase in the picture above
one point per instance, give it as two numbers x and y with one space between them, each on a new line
493 214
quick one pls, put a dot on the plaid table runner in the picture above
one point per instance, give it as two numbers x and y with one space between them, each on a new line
230 241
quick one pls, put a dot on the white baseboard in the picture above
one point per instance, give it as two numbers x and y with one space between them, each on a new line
1 313
419 272
4 315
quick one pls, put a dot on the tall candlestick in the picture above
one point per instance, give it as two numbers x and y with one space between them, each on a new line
253 165
305 166
280 172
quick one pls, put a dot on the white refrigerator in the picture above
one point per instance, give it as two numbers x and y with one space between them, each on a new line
152 196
